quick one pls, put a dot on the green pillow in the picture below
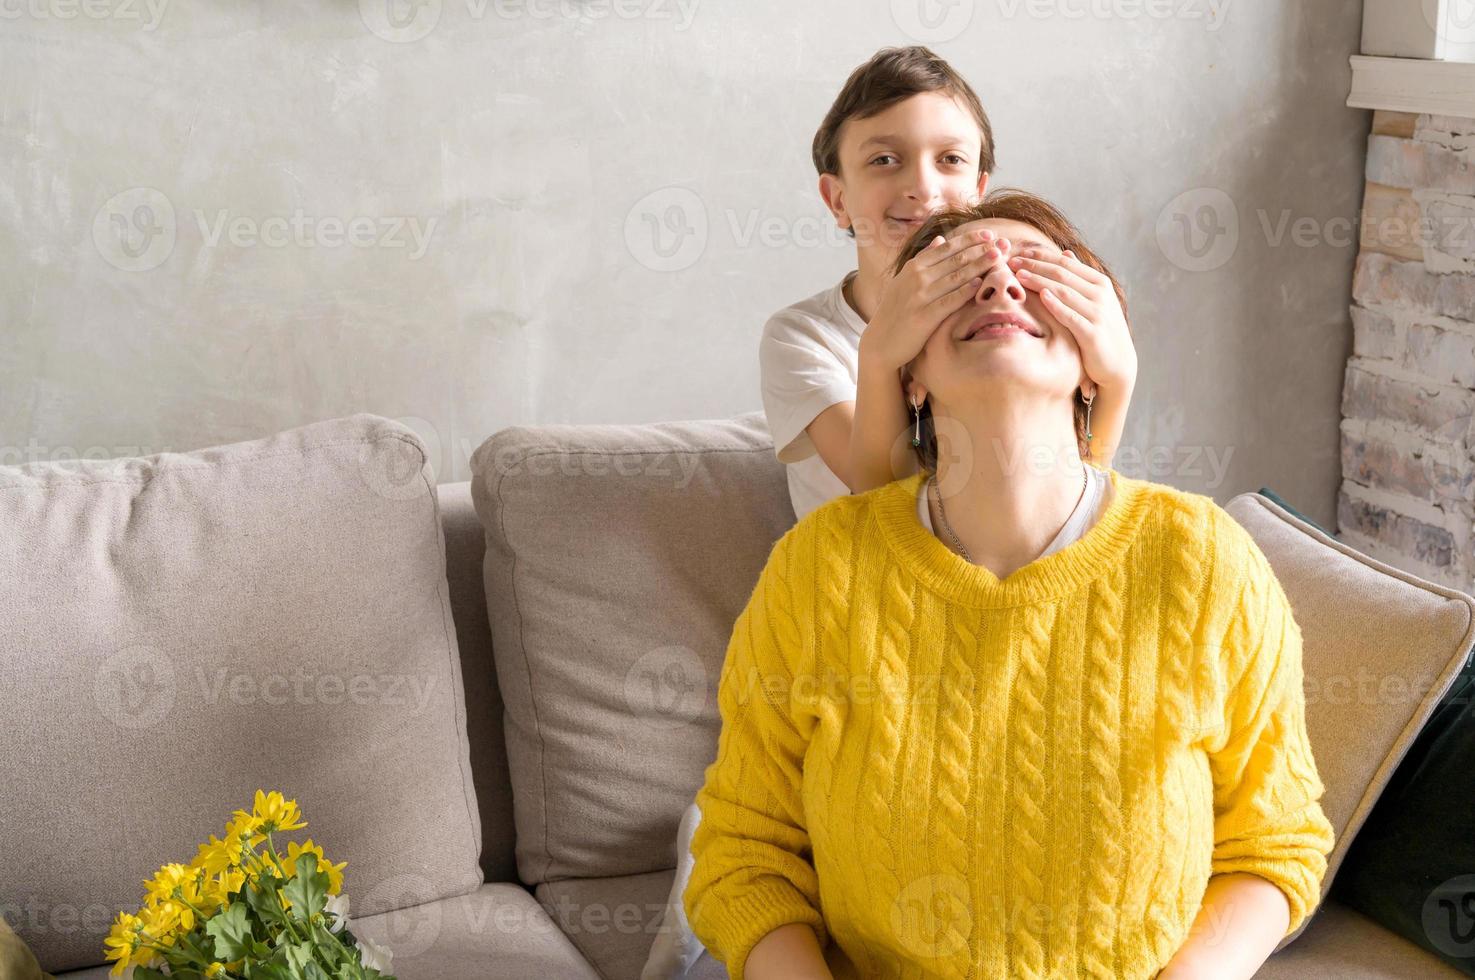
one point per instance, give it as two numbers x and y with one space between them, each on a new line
1412 866
1267 492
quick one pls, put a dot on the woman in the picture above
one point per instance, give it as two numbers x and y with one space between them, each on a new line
954 755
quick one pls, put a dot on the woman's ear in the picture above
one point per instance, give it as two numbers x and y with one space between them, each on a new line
1088 390
913 390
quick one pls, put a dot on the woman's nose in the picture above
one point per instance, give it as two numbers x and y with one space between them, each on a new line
1000 278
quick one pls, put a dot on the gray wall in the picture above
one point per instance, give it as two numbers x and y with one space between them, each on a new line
537 145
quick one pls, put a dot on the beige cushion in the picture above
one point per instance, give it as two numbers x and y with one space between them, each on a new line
613 921
1380 648
497 931
164 616
465 550
618 558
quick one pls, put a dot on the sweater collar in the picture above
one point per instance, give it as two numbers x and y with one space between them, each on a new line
944 571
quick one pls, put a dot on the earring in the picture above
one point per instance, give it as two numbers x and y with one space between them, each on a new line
1088 402
917 424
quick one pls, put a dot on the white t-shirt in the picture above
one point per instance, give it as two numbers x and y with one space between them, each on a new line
1078 523
809 359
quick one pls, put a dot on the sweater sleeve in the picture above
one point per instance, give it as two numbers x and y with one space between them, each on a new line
1268 819
752 869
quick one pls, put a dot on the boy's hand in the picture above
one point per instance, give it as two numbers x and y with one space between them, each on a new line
1085 303
937 281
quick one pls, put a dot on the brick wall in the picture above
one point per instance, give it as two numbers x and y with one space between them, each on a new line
1408 443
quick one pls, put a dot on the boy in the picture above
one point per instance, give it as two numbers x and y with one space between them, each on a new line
905 136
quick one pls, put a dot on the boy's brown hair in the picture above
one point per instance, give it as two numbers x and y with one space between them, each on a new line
890 76
1006 204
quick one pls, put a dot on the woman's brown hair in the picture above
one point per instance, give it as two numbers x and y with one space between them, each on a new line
1006 204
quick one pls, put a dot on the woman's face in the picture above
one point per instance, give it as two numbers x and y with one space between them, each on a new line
1004 335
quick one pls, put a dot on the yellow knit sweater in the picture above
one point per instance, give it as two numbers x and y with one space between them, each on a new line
947 774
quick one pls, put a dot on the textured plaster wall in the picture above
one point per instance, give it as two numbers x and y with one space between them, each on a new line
218 220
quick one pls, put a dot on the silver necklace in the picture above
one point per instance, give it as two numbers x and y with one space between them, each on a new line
942 513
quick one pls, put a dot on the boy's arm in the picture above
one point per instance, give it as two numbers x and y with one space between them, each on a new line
878 453
852 437
1108 420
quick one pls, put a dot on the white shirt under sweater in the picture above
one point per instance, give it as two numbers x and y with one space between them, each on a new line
1078 523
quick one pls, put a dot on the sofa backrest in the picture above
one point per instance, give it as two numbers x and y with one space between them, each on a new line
180 630
618 558
1380 647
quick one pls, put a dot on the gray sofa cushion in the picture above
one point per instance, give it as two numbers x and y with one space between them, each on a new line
613 921
618 558
1380 648
497 931
183 629
465 550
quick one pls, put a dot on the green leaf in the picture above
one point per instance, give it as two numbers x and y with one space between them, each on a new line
308 892
148 973
298 955
231 931
263 900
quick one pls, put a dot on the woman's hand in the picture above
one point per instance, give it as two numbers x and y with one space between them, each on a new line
1085 303
935 283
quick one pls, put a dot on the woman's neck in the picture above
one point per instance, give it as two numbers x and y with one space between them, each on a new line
1007 502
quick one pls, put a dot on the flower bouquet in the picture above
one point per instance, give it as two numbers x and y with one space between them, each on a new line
244 908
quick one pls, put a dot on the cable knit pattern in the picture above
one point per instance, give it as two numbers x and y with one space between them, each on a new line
946 774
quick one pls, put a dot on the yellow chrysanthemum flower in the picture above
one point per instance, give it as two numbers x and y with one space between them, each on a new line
275 813
123 942
216 855
334 871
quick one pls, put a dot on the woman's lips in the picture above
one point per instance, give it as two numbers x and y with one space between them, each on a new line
1000 330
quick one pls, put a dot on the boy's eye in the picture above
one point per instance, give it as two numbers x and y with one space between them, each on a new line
884 156
954 156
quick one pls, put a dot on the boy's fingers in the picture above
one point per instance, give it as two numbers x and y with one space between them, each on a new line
958 245
1074 264
1064 296
1046 269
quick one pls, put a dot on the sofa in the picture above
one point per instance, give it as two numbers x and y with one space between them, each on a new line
492 698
